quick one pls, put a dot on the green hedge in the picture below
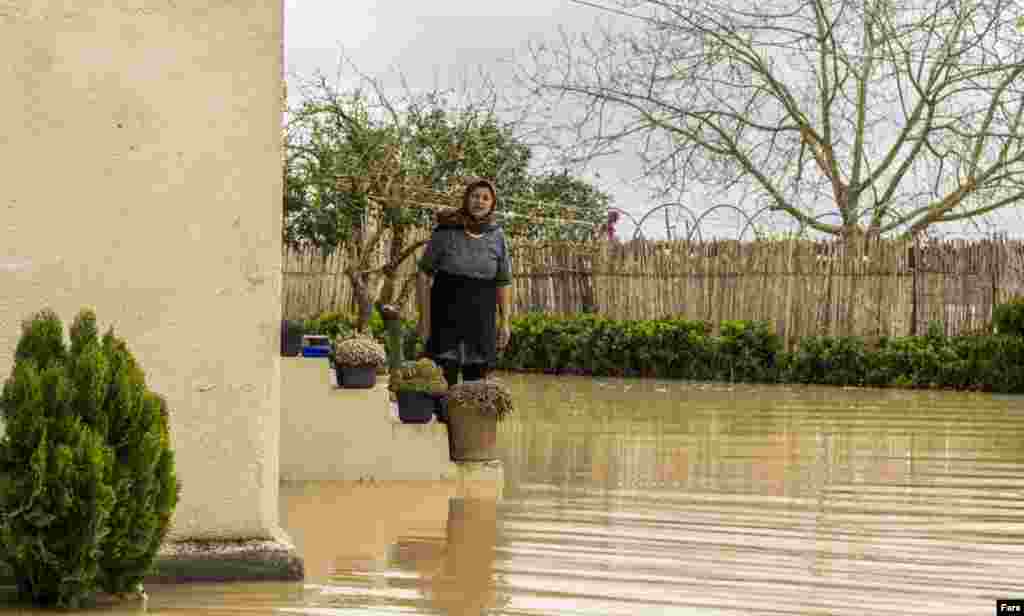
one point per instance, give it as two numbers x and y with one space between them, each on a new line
747 351
666 348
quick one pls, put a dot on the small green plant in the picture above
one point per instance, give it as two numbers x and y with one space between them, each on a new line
359 352
330 324
1008 318
422 375
337 326
87 480
488 396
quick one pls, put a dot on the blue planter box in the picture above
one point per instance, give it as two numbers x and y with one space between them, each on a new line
316 345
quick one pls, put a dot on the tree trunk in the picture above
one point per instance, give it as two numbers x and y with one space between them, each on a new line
355 255
364 303
851 233
388 291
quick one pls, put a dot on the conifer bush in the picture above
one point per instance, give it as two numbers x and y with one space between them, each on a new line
87 480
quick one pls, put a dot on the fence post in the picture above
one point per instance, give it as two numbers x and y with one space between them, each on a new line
996 263
914 264
586 275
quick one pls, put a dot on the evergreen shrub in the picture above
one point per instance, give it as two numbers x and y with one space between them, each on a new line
1008 318
747 350
87 480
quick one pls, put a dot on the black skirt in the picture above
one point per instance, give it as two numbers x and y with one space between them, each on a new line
463 320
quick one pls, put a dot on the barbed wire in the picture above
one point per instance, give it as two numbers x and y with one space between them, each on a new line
517 199
438 207
696 228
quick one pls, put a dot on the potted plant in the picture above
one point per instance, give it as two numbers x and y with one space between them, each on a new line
474 410
417 386
356 360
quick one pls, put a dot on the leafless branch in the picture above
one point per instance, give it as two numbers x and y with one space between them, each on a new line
892 115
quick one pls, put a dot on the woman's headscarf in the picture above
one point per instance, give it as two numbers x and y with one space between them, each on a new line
463 219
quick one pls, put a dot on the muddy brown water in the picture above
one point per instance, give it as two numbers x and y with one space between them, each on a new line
624 496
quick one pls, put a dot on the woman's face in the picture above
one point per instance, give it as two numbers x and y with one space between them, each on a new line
480 202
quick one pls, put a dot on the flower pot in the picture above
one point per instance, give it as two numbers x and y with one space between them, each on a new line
415 406
291 338
472 435
361 377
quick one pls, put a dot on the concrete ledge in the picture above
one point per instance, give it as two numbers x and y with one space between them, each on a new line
216 561
227 561
329 433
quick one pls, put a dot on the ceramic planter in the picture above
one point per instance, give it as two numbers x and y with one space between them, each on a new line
472 435
352 377
415 406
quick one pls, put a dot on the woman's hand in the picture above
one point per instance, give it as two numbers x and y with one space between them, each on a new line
504 334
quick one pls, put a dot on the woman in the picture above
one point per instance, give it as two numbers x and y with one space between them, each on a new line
465 319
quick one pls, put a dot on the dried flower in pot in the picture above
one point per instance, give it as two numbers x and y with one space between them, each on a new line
357 360
474 410
490 397
418 385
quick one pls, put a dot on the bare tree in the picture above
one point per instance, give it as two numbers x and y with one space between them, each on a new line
894 115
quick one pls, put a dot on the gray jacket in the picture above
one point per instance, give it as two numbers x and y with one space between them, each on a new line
452 251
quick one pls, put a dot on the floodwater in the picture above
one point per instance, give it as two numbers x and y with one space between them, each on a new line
625 496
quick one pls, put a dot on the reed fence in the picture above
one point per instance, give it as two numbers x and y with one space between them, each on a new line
862 288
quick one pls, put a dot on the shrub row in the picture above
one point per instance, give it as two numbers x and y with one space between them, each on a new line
748 351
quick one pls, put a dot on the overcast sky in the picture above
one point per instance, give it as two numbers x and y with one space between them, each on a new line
447 40
440 42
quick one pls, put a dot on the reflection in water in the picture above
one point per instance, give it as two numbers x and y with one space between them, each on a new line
424 546
653 497
463 584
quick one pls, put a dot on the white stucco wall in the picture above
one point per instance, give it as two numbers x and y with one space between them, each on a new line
142 177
